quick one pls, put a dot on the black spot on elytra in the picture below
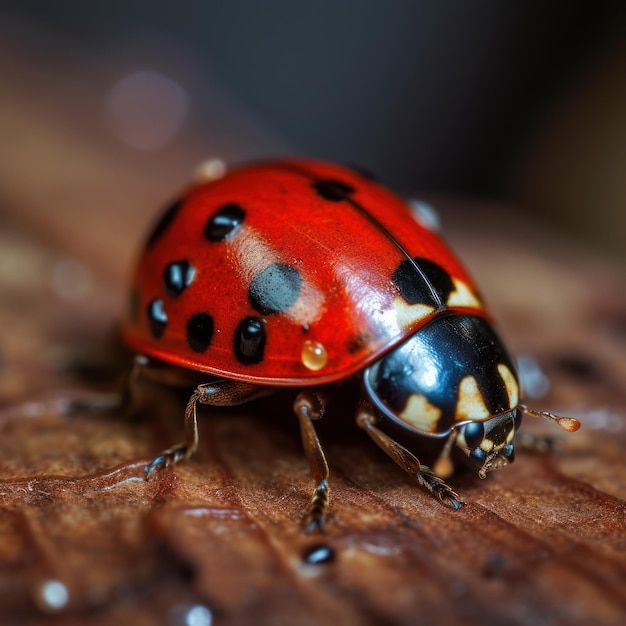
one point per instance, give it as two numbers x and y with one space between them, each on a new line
164 222
157 318
333 190
412 286
224 223
177 276
249 342
199 331
275 289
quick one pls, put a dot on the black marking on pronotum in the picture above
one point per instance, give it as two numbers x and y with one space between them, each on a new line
224 223
164 222
333 190
199 331
177 276
275 289
157 318
249 341
440 304
413 289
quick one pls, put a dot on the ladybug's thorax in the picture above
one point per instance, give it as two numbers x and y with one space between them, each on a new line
450 374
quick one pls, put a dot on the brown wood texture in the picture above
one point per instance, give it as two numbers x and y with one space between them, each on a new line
542 542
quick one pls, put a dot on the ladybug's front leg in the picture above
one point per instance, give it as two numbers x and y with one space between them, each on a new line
218 393
310 406
406 459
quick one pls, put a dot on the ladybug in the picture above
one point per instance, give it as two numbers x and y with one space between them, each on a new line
301 273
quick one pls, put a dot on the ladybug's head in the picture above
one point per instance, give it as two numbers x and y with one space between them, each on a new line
454 379
489 444
452 376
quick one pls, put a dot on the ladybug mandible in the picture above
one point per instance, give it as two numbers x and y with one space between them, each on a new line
304 273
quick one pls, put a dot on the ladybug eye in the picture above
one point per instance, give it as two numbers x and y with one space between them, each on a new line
473 434
478 456
509 452
517 420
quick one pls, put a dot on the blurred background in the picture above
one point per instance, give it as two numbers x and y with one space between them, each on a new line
521 102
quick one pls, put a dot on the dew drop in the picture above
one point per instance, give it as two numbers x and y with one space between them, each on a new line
197 615
146 110
314 355
71 280
426 214
315 555
210 170
51 596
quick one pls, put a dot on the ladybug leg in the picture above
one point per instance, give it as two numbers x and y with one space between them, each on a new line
407 460
150 370
310 406
444 467
61 406
221 392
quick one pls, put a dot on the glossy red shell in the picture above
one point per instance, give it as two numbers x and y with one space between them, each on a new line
344 249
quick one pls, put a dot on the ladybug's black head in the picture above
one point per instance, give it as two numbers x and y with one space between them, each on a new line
489 444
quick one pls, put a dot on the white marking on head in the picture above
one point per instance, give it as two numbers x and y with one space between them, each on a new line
487 445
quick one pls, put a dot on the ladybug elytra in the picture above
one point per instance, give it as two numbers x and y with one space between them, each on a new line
304 273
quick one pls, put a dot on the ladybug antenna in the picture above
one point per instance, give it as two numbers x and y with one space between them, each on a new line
570 424
493 461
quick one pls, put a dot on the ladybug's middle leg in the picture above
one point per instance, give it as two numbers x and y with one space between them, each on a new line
309 406
222 392
406 459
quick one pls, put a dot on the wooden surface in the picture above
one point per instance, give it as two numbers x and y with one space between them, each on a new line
542 542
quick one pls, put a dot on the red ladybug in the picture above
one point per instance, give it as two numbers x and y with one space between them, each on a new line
303 273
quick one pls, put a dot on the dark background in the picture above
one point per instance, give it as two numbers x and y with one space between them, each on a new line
517 101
